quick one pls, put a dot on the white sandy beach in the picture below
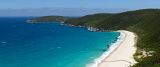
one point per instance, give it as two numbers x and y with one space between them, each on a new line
122 55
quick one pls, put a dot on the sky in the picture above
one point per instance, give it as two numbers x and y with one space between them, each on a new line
129 4
71 7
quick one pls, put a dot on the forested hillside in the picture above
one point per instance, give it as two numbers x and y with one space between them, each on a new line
145 23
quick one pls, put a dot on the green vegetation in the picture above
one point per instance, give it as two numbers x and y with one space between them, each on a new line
89 20
48 19
145 23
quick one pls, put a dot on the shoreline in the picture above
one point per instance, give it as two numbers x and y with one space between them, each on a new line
120 53
109 57
103 61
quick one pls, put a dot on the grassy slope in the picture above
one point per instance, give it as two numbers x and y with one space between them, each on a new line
146 23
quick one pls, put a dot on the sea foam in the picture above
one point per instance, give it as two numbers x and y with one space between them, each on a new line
113 47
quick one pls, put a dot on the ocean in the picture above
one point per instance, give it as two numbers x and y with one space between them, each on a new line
49 44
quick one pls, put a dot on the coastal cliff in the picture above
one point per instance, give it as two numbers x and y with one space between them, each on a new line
145 23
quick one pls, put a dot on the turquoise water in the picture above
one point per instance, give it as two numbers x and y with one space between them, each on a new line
49 44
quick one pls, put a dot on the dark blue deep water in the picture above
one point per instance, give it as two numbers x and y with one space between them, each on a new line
49 44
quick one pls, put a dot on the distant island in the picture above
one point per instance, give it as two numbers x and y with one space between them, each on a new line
145 23
48 19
